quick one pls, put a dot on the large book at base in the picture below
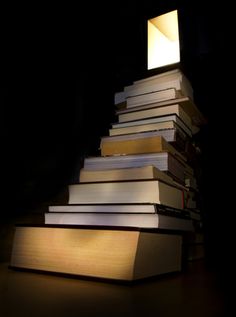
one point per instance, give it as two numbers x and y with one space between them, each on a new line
125 255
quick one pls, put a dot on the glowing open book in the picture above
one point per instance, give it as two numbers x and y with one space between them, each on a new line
163 40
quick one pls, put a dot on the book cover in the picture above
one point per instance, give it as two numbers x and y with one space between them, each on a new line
138 143
175 136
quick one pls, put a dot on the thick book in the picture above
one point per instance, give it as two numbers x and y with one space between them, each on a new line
129 173
114 254
138 143
170 79
155 120
136 220
157 112
173 137
137 191
151 97
163 161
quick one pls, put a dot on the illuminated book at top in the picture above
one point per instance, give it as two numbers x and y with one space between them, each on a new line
163 40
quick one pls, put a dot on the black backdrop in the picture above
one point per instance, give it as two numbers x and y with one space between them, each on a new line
61 68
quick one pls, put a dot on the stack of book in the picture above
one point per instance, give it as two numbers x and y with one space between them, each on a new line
164 105
126 216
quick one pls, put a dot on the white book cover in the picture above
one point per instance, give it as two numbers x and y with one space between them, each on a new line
124 192
107 208
120 220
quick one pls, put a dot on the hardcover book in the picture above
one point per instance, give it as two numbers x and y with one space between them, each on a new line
138 143
117 254
137 191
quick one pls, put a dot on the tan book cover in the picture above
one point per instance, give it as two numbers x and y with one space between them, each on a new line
117 174
99 253
137 145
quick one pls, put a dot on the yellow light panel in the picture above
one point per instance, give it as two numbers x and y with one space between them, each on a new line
163 40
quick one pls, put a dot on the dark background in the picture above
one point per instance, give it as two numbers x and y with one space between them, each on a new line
61 68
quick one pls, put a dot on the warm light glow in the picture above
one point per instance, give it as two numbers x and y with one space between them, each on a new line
163 40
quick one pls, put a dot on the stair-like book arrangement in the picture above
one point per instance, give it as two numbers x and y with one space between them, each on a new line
127 215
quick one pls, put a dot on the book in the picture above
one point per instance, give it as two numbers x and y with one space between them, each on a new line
141 208
157 112
137 143
108 208
136 191
170 79
155 120
174 136
159 126
163 43
163 161
114 254
187 104
136 220
151 97
129 173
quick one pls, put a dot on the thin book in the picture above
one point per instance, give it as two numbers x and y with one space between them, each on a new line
136 220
